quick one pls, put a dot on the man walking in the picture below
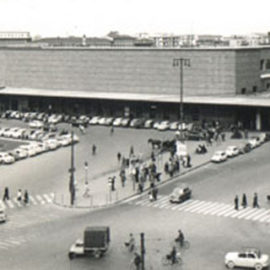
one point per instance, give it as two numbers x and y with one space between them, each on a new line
255 201
244 200
236 203
6 194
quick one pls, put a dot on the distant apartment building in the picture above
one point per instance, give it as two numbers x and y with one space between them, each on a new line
174 41
11 37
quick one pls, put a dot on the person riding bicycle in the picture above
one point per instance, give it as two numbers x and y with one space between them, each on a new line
172 255
131 243
137 261
180 238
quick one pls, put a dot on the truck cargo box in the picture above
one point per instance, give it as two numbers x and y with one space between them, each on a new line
96 237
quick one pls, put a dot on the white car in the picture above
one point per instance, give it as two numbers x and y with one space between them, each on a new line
64 140
109 121
219 156
6 158
18 133
30 149
19 153
94 120
148 123
232 151
3 216
164 125
36 124
174 125
8 131
125 122
117 122
102 121
52 144
250 258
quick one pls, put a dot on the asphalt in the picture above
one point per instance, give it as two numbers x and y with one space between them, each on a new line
99 190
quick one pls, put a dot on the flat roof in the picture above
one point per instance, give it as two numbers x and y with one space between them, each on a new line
258 100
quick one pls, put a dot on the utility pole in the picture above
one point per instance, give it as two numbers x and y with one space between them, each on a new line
142 251
72 189
181 62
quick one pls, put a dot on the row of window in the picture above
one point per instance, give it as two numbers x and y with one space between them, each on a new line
265 64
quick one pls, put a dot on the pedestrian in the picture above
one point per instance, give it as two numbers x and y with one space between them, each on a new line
26 197
140 187
131 151
223 136
189 161
6 194
123 177
112 182
94 149
82 129
111 130
155 193
19 195
119 156
255 201
244 200
236 203
153 156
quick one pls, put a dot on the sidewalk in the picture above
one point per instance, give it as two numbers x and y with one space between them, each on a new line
100 194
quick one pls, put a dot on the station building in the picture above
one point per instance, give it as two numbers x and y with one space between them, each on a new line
227 84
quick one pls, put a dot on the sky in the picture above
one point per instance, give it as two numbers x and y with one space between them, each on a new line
99 17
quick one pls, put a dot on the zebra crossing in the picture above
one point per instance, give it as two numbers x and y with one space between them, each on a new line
38 199
208 208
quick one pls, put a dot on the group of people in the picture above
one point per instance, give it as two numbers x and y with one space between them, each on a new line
244 203
21 197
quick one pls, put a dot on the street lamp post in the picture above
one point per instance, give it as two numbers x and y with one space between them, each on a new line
72 189
86 172
181 62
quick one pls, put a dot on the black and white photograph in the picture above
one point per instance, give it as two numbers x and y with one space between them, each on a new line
134 135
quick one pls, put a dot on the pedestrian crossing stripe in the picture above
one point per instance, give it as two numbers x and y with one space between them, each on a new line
33 200
208 208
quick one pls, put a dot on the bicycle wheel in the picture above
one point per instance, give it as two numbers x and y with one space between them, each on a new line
186 244
165 261
179 261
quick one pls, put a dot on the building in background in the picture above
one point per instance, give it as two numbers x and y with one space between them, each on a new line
14 38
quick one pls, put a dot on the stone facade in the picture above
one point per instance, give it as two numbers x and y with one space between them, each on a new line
143 70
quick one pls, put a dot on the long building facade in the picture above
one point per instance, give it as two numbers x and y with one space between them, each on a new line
139 82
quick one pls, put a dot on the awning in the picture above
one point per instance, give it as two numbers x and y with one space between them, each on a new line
258 100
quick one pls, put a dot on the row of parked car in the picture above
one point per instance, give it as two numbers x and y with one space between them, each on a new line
39 141
233 151
96 120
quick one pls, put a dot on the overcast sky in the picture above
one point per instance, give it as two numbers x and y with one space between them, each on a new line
99 17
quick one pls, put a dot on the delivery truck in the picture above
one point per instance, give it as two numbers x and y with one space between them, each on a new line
96 240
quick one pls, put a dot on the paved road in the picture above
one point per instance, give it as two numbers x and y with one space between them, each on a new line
45 240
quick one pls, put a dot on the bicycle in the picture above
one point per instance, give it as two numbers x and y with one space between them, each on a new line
167 260
185 244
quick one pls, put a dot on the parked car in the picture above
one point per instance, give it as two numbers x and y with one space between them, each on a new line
255 141
117 121
36 124
102 121
219 156
164 125
245 148
180 194
94 120
109 121
52 144
6 158
18 153
30 149
148 123
232 151
174 125
249 258
136 123
18 133
125 122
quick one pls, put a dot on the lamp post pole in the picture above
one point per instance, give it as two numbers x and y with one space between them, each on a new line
72 188
181 63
